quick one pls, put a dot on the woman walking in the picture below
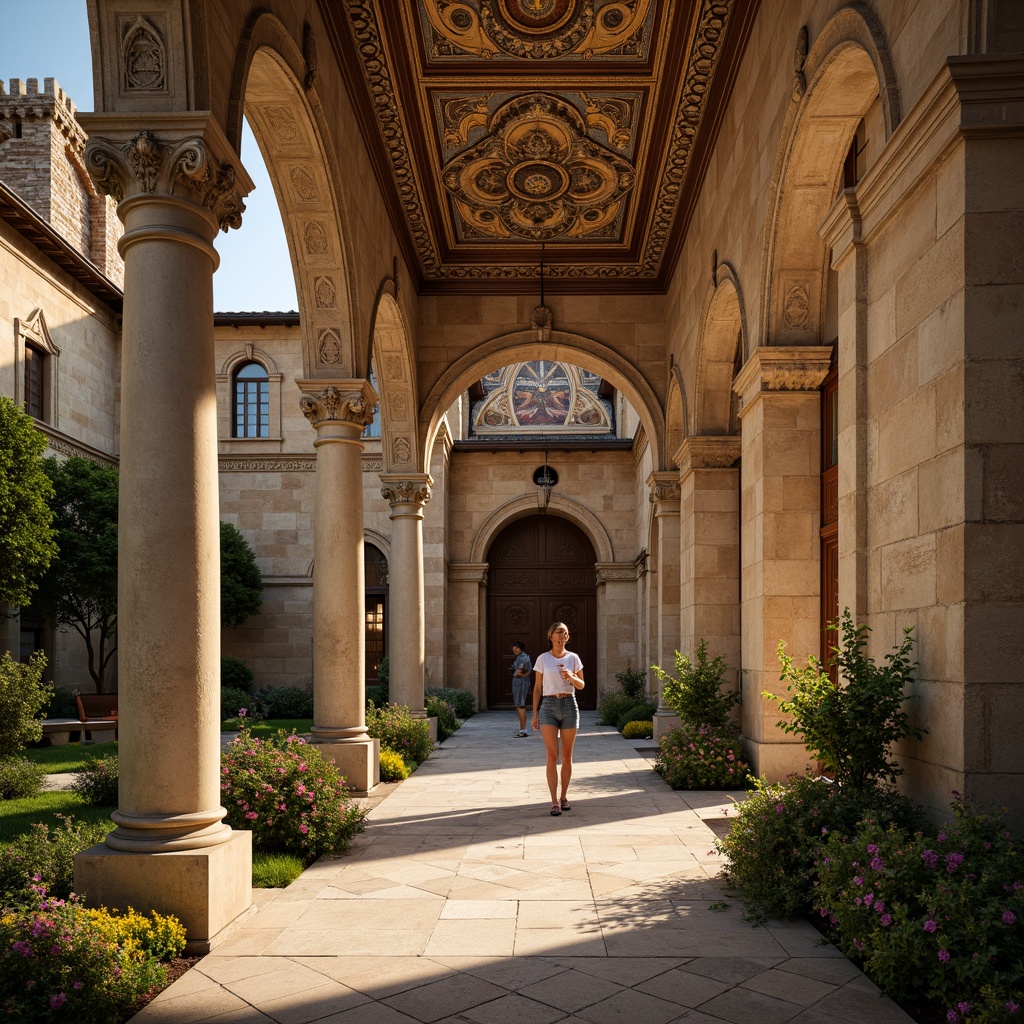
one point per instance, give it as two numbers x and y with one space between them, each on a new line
558 674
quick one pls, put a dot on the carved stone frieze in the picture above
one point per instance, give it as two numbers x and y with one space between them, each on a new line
616 572
268 464
333 404
783 368
150 165
707 452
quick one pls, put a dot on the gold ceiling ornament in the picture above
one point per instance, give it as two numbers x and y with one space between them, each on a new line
537 175
539 29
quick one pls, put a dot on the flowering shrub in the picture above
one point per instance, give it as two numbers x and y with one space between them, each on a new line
699 757
638 730
393 767
772 846
19 777
931 917
395 727
45 855
462 700
233 700
447 722
59 961
97 784
288 795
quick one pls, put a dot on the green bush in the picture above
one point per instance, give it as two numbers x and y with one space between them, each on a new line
376 695
611 705
462 700
59 961
937 917
23 696
235 674
640 712
393 767
283 702
288 795
694 693
275 870
97 784
851 727
47 854
20 777
397 729
232 701
633 682
774 843
447 722
62 704
700 757
638 730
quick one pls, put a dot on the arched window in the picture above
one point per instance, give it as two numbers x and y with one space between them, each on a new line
251 401
376 570
373 428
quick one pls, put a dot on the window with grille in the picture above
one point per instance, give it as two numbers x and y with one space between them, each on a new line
376 570
35 389
251 401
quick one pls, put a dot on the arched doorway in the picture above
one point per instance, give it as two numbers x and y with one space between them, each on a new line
541 571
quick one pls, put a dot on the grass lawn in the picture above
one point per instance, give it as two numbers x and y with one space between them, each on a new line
270 727
71 757
17 815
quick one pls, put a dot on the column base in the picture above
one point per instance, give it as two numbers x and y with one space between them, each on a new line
209 890
358 762
664 721
776 761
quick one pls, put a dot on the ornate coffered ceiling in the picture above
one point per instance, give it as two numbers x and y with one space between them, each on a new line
500 125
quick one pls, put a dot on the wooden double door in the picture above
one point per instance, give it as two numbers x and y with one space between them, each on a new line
541 570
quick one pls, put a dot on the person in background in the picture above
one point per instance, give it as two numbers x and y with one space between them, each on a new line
558 674
521 669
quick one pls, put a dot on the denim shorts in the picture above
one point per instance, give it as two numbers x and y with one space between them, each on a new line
561 712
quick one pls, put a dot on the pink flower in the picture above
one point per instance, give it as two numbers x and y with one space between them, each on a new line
778 808
57 1001
886 920
304 829
931 926
943 956
1009 917
251 816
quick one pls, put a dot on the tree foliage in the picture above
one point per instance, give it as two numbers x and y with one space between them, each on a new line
694 693
80 588
241 582
27 543
23 699
851 727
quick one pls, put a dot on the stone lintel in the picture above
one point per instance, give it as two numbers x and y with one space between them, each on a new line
707 452
782 368
615 572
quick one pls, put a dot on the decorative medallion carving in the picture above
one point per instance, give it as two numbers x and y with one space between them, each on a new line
143 57
516 617
332 404
406 492
325 293
401 451
282 122
542 320
536 174
317 242
567 613
394 367
328 345
304 184
796 308
398 407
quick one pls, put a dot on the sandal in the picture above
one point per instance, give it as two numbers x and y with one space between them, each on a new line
566 806
555 810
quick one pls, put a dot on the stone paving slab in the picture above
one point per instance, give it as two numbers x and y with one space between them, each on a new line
465 902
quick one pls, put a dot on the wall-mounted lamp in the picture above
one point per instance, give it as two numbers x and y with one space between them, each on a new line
545 478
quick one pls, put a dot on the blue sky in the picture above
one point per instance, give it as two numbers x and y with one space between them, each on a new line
50 39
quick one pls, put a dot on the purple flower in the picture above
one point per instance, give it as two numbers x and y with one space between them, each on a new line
964 1008
1012 1006
57 1001
931 859
943 956
931 926
778 808
869 899
858 945
22 948
877 863
872 848
858 880
951 1015
1009 917
941 837
953 861
886 920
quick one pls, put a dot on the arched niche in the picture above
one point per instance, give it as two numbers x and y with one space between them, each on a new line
845 71
287 123
675 411
722 345
523 346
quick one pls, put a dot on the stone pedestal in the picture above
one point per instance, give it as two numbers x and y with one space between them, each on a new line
357 761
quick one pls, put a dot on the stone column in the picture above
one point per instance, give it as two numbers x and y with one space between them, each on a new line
780 476
467 603
176 185
617 647
338 411
407 494
709 527
665 497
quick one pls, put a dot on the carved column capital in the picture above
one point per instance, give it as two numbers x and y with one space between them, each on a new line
180 155
707 452
405 492
340 401
783 368
665 493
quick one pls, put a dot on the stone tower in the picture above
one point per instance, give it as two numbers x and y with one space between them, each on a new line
42 149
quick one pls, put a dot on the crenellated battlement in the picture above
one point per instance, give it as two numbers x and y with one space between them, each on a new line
24 101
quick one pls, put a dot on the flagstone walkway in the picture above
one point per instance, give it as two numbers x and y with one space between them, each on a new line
465 901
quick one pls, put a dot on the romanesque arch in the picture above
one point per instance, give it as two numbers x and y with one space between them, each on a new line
847 68
287 121
722 339
524 346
